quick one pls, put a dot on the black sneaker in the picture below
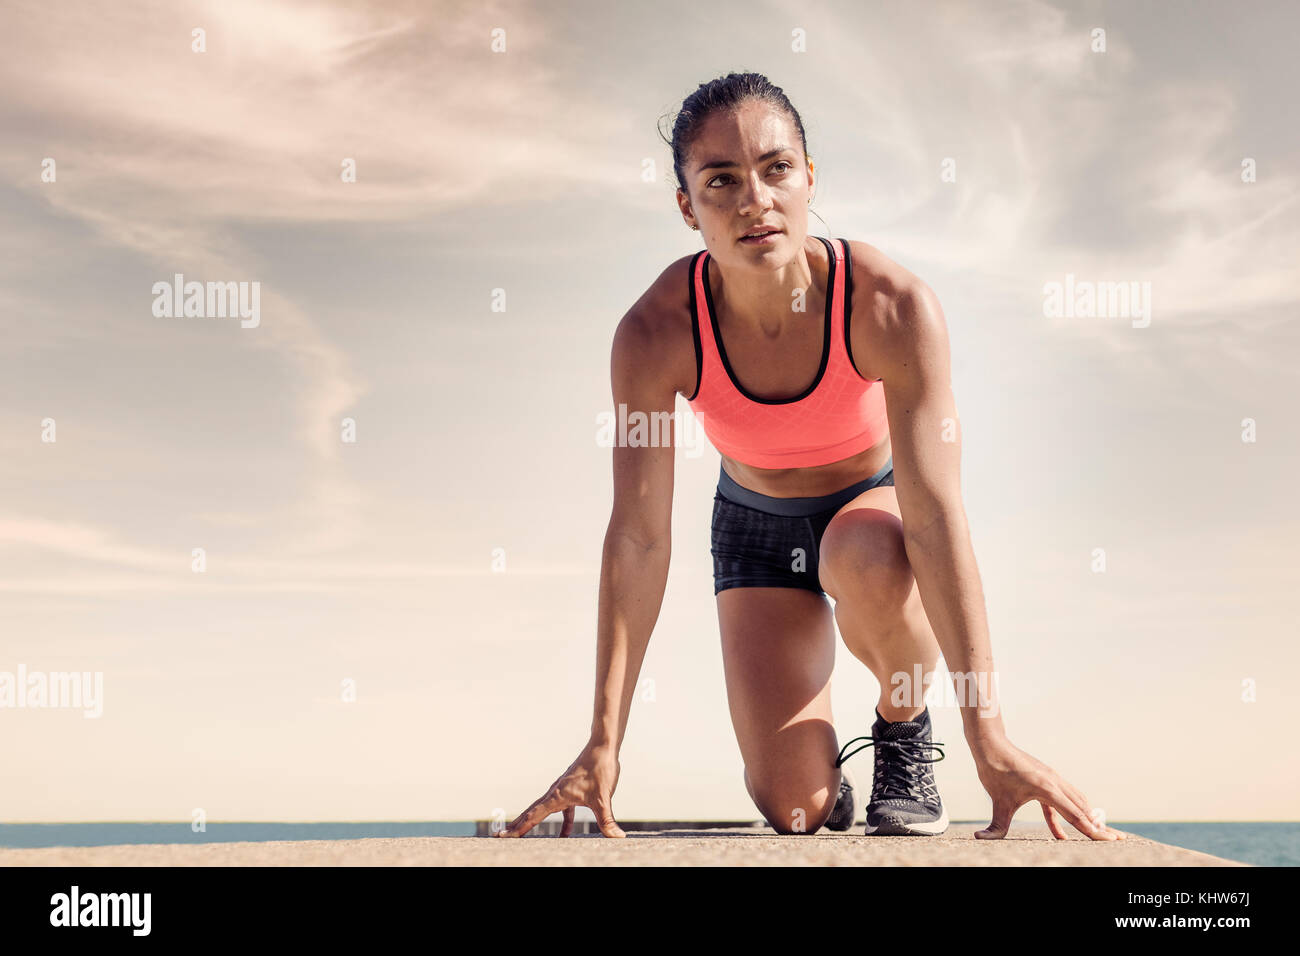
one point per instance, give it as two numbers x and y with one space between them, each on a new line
904 798
846 806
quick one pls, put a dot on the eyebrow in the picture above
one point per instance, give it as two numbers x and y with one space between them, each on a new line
726 163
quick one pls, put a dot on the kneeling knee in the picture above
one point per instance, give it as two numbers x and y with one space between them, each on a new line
797 815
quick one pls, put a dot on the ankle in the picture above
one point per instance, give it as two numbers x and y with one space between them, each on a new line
893 715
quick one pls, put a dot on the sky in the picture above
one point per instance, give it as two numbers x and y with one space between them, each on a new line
402 626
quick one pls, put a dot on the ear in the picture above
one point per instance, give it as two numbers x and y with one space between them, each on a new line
684 204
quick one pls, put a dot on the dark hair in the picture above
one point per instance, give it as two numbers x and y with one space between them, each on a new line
724 94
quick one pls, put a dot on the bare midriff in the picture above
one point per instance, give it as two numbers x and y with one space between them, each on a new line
812 482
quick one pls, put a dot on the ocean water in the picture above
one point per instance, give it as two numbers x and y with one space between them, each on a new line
30 835
1263 844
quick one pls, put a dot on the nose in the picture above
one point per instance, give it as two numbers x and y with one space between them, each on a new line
756 198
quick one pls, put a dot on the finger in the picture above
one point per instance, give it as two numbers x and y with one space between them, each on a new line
604 811
1053 822
1077 795
542 808
1095 814
1001 825
567 827
1077 816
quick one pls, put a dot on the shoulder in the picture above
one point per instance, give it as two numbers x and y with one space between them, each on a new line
656 332
882 285
893 309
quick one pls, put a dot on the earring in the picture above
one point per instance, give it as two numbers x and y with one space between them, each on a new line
695 227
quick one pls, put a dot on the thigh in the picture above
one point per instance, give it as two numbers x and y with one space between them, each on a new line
778 651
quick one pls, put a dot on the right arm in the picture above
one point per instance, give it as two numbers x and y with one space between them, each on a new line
633 576
638 541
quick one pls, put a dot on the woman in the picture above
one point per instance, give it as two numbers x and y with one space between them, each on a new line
786 346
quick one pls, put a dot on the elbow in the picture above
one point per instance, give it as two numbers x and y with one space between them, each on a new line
643 539
935 518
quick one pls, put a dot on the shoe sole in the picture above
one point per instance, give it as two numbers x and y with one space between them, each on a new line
929 828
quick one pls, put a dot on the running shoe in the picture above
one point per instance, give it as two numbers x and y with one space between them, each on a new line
846 806
904 798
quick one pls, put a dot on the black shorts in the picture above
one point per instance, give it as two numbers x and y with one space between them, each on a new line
763 542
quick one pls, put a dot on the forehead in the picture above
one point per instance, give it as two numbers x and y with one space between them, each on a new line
752 129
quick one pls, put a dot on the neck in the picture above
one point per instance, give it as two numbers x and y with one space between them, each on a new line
763 299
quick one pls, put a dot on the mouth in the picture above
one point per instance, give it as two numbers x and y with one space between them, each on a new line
760 237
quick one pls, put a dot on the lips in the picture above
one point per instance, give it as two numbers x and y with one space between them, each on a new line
759 231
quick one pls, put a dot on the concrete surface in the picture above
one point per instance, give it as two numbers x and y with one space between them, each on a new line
1026 845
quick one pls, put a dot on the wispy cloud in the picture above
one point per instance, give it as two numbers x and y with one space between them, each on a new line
87 545
1066 160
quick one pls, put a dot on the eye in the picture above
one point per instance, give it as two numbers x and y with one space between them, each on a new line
782 162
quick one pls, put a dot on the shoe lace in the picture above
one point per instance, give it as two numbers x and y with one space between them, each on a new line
901 767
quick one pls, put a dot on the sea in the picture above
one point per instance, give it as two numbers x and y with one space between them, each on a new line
1263 844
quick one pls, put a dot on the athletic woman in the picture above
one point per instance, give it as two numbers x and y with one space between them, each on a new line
786 346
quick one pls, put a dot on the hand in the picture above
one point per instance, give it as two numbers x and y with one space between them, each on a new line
1013 778
589 782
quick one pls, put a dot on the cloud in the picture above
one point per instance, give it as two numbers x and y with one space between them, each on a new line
1100 164
97 545
149 134
174 154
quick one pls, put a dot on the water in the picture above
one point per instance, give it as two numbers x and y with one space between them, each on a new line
1263 844
29 835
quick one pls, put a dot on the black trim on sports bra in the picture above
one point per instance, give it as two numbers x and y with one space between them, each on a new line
848 310
826 336
695 326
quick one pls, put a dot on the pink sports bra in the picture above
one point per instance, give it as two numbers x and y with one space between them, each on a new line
839 415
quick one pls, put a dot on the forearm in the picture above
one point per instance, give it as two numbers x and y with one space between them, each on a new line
943 564
633 577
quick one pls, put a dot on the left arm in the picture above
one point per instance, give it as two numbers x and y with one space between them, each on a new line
926 442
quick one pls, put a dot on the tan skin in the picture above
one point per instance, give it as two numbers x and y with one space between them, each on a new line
896 560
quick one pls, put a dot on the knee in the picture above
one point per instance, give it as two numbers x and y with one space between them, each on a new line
863 557
793 810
